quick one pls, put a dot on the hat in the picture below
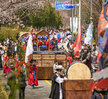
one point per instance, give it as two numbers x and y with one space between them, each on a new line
59 67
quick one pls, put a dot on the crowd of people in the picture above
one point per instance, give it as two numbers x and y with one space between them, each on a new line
16 71
8 47
53 42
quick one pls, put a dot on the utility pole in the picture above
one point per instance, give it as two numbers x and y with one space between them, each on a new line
72 17
79 16
75 10
91 18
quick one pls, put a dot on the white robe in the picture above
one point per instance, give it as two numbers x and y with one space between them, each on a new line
60 80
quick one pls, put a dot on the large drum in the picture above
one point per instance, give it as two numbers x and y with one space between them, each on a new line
78 71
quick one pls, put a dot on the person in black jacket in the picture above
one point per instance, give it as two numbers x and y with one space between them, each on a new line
22 85
57 80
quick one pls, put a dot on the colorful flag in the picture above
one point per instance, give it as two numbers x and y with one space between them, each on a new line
29 49
89 35
103 31
77 45
25 46
102 21
103 42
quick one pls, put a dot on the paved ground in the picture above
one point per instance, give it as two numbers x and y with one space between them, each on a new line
40 92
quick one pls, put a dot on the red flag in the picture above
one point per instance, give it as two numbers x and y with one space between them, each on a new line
25 46
59 40
77 45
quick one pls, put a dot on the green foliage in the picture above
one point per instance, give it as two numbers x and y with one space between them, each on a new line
52 17
87 19
46 17
37 20
8 32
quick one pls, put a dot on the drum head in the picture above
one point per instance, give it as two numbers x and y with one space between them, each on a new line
78 71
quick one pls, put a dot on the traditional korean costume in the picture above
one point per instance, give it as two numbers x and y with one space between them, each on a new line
56 89
32 75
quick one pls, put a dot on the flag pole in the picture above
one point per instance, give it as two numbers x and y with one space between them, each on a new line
91 18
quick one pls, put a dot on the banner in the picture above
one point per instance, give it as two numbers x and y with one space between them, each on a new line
89 35
75 24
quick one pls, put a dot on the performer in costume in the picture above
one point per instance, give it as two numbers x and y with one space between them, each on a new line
7 69
32 74
57 80
20 67
51 45
69 60
47 43
86 59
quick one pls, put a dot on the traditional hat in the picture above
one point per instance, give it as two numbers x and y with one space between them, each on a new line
59 67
